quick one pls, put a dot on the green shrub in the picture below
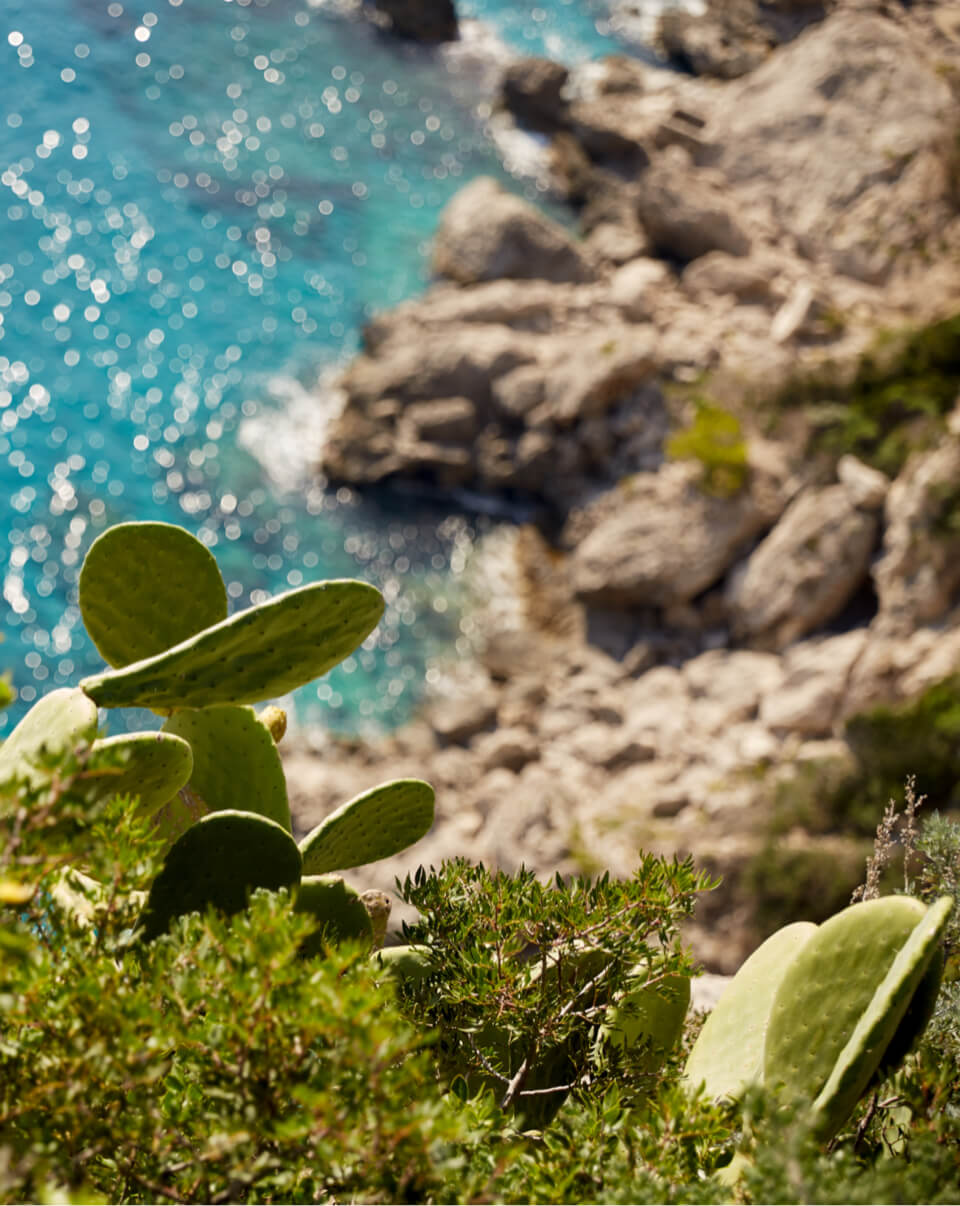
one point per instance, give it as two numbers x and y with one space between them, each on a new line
715 439
897 400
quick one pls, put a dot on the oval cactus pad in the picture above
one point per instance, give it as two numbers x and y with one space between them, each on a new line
219 861
651 1014
60 721
235 761
262 652
877 1026
338 910
829 987
147 586
157 765
728 1055
372 826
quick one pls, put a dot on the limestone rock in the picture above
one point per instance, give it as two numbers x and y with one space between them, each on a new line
821 128
532 90
634 287
511 748
804 572
687 212
444 421
707 44
866 486
428 21
600 370
816 674
748 278
486 232
918 576
665 542
462 717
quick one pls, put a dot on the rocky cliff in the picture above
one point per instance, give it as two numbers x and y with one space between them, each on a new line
730 401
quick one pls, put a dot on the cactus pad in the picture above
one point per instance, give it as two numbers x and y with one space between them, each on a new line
157 766
262 652
147 586
411 963
651 1014
235 761
61 720
372 826
340 913
877 1026
829 987
728 1055
219 862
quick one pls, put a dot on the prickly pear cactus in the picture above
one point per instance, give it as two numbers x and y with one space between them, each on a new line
728 1055
648 1019
219 861
410 963
819 1012
156 766
338 910
372 826
839 1006
61 720
145 587
257 654
235 761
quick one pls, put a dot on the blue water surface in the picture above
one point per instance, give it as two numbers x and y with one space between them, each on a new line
201 203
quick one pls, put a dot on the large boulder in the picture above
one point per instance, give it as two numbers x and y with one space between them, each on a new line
805 571
428 21
710 43
918 576
663 542
823 134
486 232
532 90
687 212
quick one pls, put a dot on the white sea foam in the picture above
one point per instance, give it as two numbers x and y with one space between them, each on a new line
287 434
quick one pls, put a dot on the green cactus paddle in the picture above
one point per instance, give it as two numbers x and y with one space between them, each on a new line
372 826
649 1018
262 652
338 910
410 963
218 862
728 1055
157 765
877 1024
235 761
60 721
829 987
146 586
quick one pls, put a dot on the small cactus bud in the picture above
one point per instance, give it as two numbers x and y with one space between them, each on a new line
274 719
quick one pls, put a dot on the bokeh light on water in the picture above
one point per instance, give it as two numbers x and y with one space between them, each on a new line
201 202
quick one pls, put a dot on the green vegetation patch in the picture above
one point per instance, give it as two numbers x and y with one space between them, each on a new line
715 439
897 401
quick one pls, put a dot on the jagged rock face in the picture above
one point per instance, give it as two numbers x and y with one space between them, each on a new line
687 212
821 130
486 233
805 571
532 89
428 21
918 576
665 542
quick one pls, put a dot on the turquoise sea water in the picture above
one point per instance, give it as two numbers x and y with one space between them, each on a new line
201 202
